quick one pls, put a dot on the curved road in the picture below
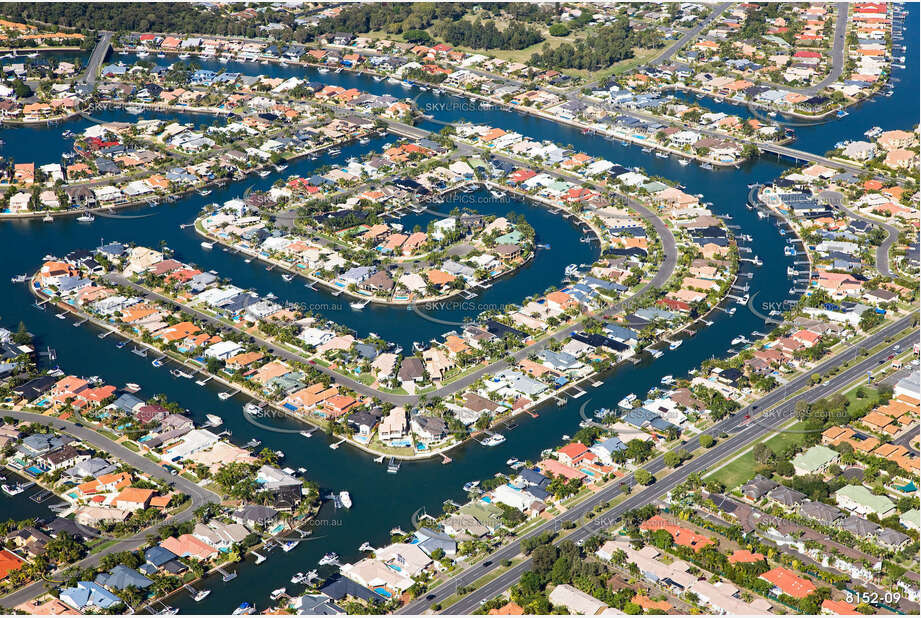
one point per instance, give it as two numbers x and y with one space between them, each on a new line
741 435
199 495
835 199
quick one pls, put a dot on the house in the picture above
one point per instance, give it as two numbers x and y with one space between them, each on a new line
815 461
89 595
122 577
858 499
575 601
787 582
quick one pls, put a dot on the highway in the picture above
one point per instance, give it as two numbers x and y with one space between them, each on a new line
198 495
742 434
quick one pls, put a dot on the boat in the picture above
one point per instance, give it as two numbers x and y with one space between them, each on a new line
204 192
287 277
134 109
183 56
132 387
358 305
662 155
841 113
178 373
683 161
306 434
214 420
470 486
298 578
706 166
330 558
20 278
263 173
493 440
15 489
738 340
121 344
142 54
60 316
345 499
252 409
667 380
277 594
335 152
674 345
224 396
86 218
253 443
157 362
627 402
244 609
322 70
167 610
201 595
207 245
511 462
289 545
47 218
364 141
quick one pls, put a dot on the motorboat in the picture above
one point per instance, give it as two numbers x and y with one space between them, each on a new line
263 173
207 245
214 420
493 440
224 396
178 373
668 380
674 345
470 486
86 218
330 558
200 595
738 340
289 545
287 277
627 402
511 461
252 409
277 594
345 499
132 387
244 609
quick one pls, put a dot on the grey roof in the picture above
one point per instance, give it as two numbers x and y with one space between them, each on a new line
756 488
858 526
786 496
823 513
121 577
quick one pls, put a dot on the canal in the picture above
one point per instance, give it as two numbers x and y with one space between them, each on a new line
383 500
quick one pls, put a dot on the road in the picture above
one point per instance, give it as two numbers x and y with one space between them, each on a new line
199 496
837 55
691 34
741 436
836 199
97 57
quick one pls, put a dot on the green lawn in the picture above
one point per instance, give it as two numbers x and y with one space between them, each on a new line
742 469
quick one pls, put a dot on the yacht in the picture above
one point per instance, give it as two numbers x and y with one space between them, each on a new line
132 387
252 409
245 609
143 54
263 173
345 499
86 218
299 578
329 558
287 277
204 192
214 420
468 487
224 396
289 545
494 440
277 594
201 594
511 462
627 402
674 345
668 380
178 373
207 245
335 152
358 304
47 218
738 340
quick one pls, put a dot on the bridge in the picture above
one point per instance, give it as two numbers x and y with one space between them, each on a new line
97 57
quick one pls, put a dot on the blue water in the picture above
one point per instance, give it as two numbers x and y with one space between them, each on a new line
383 500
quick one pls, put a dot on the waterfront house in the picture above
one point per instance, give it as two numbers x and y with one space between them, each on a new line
88 595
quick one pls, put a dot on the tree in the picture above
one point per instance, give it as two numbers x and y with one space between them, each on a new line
559 29
706 440
643 477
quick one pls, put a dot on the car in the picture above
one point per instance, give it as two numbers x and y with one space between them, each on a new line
891 356
430 597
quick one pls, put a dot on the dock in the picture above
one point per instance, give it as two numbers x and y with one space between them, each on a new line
227 576
259 557
81 322
337 444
